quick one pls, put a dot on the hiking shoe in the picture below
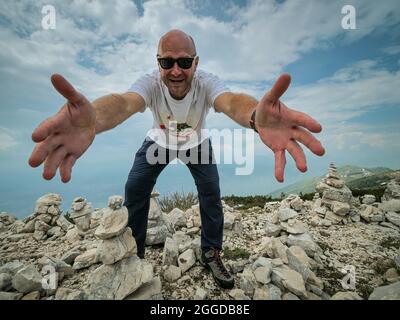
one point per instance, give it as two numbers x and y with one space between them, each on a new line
211 260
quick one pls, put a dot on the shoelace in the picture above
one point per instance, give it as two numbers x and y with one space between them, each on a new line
220 265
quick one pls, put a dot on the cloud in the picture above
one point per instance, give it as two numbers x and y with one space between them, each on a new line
7 141
392 50
350 92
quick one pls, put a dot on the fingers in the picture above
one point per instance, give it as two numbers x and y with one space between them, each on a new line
66 168
43 149
280 162
304 120
298 155
65 88
307 139
278 88
53 161
47 127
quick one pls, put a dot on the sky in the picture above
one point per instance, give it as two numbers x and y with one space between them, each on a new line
347 79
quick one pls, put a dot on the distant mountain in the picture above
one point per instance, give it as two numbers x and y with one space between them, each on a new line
355 178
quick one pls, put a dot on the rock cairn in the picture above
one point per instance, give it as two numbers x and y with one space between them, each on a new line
122 272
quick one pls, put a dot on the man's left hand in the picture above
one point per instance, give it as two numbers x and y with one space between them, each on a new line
281 128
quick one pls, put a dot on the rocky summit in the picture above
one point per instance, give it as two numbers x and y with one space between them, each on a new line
334 247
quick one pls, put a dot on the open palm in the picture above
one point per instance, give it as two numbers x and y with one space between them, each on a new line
64 137
281 129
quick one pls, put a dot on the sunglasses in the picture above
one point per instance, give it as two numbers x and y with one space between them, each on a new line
183 63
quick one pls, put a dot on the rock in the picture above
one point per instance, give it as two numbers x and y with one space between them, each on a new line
172 273
201 294
63 223
186 260
57 264
263 274
347 295
27 279
392 190
170 252
237 266
238 294
68 294
286 214
117 281
272 230
390 292
261 294
304 241
86 259
397 260
72 235
39 235
117 248
154 210
5 281
156 235
296 203
274 292
69 256
229 220
340 208
115 202
391 275
10 296
390 205
177 218
11 267
34 295
289 279
294 227
50 199
290 296
7 218
393 218
248 281
148 291
112 224
181 238
368 199
299 261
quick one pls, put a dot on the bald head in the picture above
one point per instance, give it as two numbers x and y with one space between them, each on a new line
176 40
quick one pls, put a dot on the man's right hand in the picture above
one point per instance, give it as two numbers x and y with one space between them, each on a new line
64 137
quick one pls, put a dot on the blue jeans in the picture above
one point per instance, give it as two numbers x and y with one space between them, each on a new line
143 177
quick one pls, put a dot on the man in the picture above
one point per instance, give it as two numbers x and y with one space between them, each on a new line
177 94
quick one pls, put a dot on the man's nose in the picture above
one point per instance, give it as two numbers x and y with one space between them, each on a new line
176 71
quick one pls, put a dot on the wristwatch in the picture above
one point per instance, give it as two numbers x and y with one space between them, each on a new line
253 121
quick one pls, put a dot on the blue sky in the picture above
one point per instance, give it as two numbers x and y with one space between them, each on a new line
347 79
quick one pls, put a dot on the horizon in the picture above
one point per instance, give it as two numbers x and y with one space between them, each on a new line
345 78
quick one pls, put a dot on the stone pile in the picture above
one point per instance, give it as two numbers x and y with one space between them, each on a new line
122 272
158 225
336 198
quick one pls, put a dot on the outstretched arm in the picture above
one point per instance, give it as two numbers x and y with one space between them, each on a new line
63 138
279 127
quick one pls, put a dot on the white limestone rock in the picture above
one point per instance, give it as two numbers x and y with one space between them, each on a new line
170 252
119 280
27 279
115 249
186 260
112 224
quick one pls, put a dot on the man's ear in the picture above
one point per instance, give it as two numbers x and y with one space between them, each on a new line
196 62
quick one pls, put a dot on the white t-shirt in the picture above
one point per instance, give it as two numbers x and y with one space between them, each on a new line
179 124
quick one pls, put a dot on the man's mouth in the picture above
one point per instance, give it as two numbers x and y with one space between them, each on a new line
176 80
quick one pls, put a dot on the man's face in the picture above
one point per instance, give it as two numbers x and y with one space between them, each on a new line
176 79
